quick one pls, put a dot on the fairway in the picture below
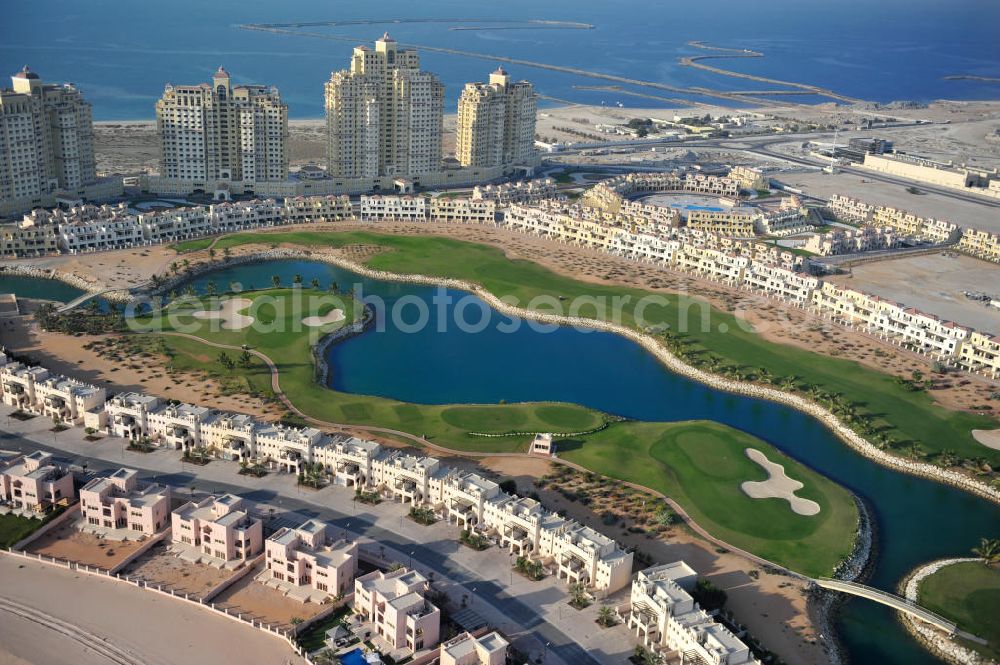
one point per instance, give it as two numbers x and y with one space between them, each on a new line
907 417
701 466
968 593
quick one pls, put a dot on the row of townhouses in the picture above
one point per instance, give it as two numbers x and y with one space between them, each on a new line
981 244
524 191
757 268
223 531
853 241
226 531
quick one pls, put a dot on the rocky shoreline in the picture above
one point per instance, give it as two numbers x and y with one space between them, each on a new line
934 640
72 279
355 328
658 351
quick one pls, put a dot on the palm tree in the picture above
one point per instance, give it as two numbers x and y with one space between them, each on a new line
578 594
210 287
226 252
334 287
297 280
276 280
988 550
606 616
211 253
314 283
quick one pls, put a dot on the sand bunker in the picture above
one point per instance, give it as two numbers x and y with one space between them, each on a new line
988 437
332 316
778 485
229 314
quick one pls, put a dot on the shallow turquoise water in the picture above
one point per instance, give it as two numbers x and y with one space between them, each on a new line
122 54
34 287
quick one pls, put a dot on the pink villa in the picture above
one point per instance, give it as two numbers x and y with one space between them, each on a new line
466 649
32 482
219 528
302 557
394 603
120 502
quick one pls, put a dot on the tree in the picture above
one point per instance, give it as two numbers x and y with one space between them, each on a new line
578 594
226 252
606 616
297 280
314 283
276 280
245 359
210 288
988 550
226 361
334 287
665 516
211 253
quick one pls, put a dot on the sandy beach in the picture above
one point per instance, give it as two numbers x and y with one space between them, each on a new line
157 629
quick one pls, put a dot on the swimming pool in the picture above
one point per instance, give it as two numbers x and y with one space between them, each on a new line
690 206
356 657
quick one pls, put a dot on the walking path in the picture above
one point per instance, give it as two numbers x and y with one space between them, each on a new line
892 600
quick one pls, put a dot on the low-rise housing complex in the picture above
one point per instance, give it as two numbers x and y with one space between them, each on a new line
64 400
467 649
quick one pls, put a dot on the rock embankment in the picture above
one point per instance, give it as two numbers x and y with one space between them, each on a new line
934 640
649 343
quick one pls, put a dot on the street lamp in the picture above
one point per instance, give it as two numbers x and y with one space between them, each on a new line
411 560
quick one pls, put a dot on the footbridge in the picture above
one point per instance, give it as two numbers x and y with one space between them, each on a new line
79 300
891 600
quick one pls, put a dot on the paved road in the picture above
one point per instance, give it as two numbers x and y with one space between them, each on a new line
529 627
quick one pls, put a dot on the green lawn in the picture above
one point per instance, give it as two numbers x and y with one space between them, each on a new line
968 594
675 458
14 528
701 465
907 417
192 245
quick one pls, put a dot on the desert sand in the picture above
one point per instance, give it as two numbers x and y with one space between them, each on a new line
159 629
778 485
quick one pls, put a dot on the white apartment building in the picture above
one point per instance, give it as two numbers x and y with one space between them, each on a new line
463 210
384 115
353 460
178 426
496 122
464 497
220 132
667 620
128 415
33 482
393 602
27 240
712 264
232 436
405 208
851 241
287 448
784 284
981 244
305 557
300 209
219 528
120 502
980 353
406 478
34 390
583 555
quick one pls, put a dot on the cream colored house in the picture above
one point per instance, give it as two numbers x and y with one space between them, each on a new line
305 557
33 482
120 502
394 604
466 649
219 528
667 620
